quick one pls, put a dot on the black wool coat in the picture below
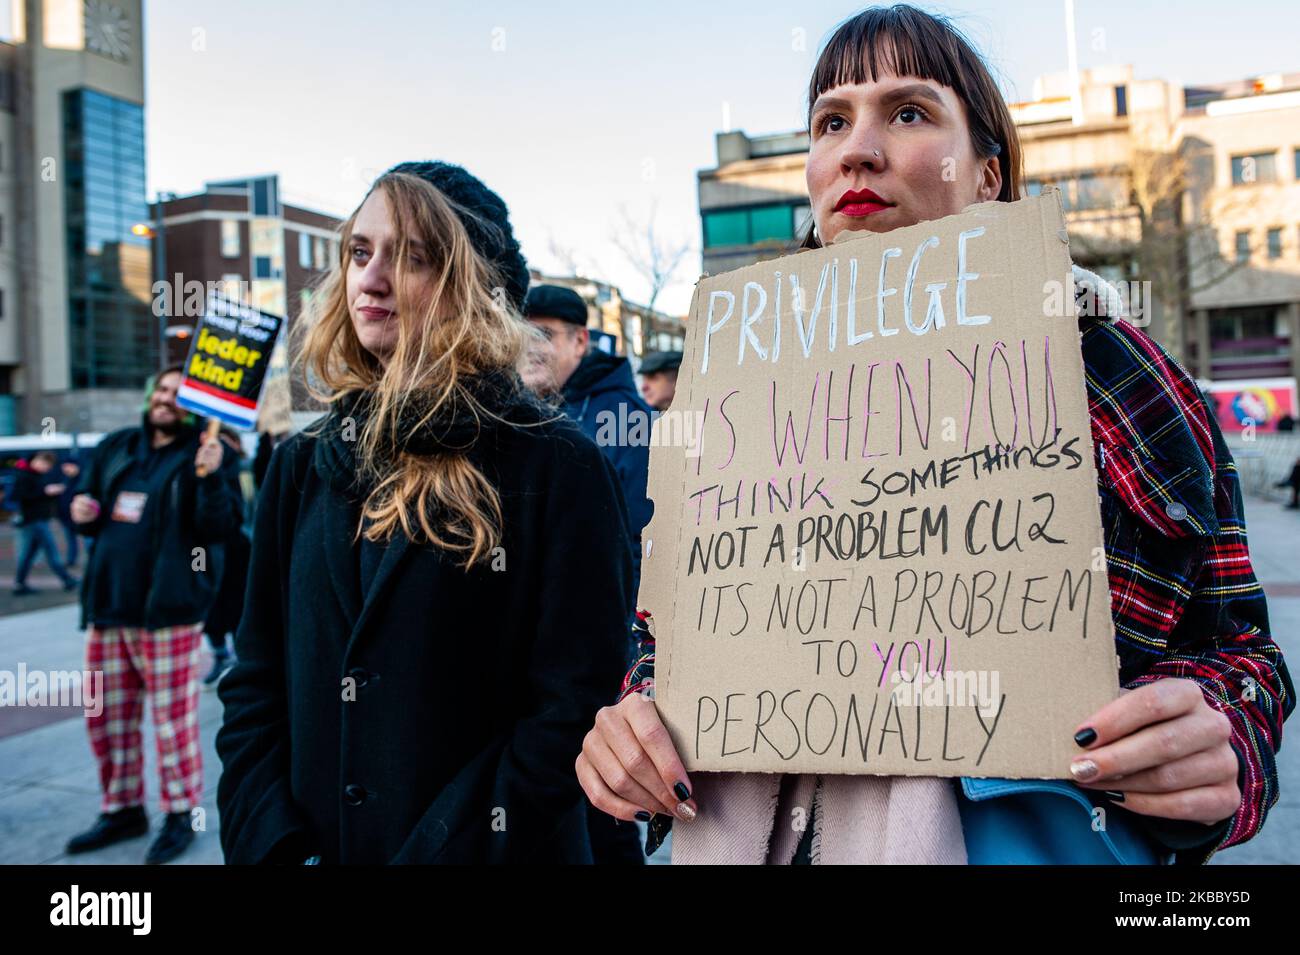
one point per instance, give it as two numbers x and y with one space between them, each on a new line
437 716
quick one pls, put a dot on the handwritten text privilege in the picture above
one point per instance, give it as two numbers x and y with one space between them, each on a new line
894 493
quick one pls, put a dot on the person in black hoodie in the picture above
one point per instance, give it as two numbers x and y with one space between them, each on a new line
441 570
158 499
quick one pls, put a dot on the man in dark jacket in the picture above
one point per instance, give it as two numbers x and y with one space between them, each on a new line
38 502
658 373
151 578
598 392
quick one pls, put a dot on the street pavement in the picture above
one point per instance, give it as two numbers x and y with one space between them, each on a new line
49 790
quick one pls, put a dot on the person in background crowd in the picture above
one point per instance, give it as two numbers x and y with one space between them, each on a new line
1185 761
223 619
658 373
440 582
160 499
71 469
1292 481
266 443
38 500
595 389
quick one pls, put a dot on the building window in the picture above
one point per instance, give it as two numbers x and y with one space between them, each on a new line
1121 101
1100 192
1257 167
112 336
802 217
770 223
319 253
1275 243
262 267
304 250
730 227
1243 246
266 197
1256 326
1088 190
229 238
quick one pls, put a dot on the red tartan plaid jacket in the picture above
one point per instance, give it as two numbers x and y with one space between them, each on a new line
1184 596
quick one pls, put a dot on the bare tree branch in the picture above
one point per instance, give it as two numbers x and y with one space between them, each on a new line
565 255
655 257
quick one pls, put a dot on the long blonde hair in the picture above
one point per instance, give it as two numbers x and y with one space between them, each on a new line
469 328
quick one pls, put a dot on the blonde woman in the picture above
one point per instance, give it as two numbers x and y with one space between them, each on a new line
440 580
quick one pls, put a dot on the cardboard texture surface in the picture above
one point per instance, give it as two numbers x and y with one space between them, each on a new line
877 545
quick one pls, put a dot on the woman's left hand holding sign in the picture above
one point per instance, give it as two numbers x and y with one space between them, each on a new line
1165 749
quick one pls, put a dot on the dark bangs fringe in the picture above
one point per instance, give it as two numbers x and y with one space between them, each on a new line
904 41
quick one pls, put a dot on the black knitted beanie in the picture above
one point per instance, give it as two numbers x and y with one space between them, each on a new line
488 226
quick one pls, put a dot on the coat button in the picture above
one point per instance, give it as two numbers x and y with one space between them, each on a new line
359 676
354 795
1175 510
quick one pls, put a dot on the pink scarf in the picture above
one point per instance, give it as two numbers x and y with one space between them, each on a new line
753 819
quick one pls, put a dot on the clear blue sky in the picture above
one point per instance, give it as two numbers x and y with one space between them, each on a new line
571 110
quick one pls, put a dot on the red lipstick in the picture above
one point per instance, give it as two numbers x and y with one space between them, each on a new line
860 203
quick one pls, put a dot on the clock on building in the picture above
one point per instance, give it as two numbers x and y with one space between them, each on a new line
108 31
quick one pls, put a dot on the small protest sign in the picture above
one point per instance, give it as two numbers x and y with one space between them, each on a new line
228 361
883 553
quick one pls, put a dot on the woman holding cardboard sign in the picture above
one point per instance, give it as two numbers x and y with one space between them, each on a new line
907 125
412 682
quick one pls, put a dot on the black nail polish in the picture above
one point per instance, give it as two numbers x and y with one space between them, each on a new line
681 792
1114 795
642 816
1086 736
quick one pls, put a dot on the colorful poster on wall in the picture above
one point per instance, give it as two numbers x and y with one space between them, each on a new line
1259 403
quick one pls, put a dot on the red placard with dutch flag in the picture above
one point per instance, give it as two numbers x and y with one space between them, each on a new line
228 359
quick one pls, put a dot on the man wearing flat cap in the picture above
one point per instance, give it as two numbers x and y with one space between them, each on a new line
658 373
596 390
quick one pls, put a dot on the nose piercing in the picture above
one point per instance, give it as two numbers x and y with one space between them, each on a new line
876 153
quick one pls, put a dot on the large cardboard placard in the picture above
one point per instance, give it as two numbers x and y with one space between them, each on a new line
877 545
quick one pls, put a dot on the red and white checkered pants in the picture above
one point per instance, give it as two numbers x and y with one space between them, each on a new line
162 664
